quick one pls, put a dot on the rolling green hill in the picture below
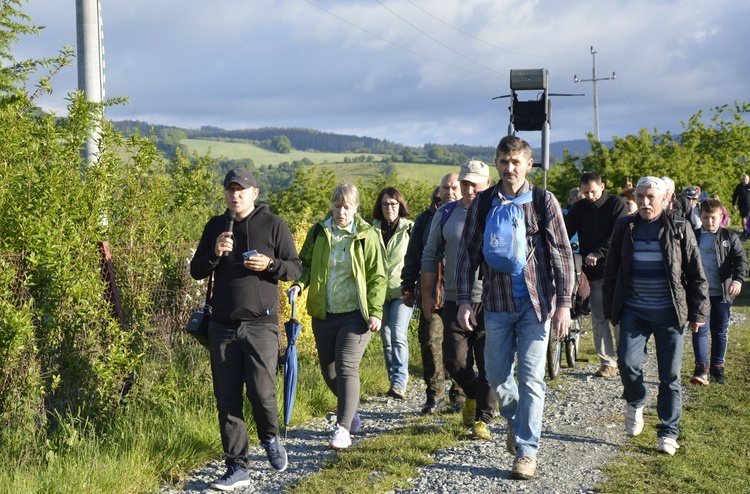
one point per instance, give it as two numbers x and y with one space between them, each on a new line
266 155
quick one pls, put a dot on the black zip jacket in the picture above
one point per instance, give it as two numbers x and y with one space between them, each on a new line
594 223
240 294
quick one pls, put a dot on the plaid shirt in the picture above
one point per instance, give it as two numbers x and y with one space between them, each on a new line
549 273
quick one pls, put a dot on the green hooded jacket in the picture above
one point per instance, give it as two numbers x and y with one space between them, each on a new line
393 255
367 267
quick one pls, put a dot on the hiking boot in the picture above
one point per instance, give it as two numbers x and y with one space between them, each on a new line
524 468
468 414
276 454
234 477
667 445
457 405
480 431
633 420
397 392
717 374
433 405
356 427
510 439
700 376
606 371
340 438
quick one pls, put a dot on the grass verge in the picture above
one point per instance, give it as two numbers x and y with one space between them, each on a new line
714 432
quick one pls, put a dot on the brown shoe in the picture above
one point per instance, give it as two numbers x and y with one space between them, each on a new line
524 468
606 371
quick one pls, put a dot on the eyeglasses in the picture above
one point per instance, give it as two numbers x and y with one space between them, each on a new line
389 205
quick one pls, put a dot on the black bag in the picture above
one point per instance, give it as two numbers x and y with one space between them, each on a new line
197 326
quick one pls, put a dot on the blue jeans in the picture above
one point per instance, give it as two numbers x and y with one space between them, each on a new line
393 332
518 332
718 322
636 326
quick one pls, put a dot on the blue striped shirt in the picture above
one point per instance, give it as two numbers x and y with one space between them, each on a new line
649 287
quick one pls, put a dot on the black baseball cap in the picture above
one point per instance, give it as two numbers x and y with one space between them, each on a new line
241 177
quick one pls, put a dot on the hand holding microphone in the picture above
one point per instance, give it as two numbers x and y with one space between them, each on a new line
225 242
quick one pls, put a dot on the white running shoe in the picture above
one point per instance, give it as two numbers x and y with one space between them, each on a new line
341 438
633 420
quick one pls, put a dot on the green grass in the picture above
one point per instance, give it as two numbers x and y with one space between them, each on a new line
169 428
714 454
335 161
263 155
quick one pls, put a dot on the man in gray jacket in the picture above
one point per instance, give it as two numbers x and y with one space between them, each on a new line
654 284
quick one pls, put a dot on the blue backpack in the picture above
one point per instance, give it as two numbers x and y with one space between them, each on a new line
504 246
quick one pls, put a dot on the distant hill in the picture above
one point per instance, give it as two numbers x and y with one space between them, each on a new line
305 139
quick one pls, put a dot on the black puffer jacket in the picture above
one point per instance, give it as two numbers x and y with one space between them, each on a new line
687 282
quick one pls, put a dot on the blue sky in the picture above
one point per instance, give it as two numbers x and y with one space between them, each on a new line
410 71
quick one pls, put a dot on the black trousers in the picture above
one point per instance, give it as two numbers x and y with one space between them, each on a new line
461 350
244 355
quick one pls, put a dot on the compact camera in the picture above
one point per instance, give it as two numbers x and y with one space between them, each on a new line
251 253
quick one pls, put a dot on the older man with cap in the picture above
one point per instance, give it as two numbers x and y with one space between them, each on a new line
461 347
654 284
247 250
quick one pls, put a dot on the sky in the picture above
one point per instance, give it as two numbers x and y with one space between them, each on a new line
408 71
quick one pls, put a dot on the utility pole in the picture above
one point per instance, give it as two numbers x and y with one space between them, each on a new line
596 94
90 63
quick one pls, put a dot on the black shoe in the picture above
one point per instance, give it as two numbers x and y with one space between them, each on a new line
717 375
433 405
457 406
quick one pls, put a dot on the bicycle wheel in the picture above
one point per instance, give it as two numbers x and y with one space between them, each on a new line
571 350
554 356
572 341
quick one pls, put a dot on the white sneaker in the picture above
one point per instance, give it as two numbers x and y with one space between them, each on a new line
633 420
341 438
667 445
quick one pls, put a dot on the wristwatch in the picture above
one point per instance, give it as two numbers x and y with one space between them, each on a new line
271 265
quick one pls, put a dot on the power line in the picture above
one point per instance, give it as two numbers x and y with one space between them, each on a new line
409 50
436 40
475 38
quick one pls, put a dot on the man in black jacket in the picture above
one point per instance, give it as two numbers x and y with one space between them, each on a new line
430 332
593 219
741 200
654 285
247 253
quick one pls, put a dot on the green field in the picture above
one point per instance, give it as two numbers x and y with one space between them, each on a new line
262 155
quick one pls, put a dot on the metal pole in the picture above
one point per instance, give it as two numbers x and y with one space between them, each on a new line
596 92
90 63
596 96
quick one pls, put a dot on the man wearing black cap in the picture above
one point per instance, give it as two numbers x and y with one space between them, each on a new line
247 250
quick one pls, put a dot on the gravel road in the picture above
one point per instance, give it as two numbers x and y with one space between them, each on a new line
582 429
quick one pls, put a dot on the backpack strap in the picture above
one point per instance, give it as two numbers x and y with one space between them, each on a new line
541 210
447 212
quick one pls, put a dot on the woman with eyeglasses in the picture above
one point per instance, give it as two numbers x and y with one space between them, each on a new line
342 265
390 215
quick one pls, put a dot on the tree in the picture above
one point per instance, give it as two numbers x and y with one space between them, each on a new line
282 144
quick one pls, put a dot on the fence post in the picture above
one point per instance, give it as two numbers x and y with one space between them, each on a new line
108 276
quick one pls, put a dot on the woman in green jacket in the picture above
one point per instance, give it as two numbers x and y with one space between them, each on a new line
342 265
390 213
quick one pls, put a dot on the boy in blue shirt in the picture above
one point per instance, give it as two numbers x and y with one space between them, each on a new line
725 264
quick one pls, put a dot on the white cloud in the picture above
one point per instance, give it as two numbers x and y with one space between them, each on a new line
411 71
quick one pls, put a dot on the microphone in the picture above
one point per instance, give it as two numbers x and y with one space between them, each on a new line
230 225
